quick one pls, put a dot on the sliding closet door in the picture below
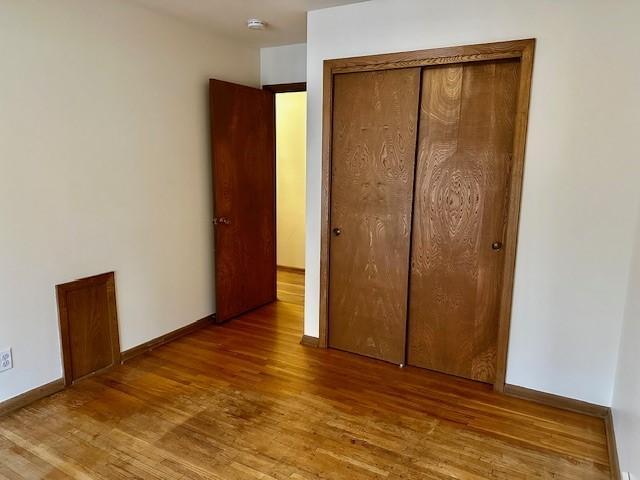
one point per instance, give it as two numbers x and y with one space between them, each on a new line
373 158
462 177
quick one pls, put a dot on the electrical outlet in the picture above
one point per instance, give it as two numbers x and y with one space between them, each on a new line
6 360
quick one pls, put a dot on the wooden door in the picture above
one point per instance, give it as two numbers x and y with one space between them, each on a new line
243 149
462 180
88 326
373 157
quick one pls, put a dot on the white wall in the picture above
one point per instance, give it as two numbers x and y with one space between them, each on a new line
104 165
582 166
285 64
626 399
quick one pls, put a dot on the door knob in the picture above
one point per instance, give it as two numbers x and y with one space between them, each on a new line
496 246
337 231
221 221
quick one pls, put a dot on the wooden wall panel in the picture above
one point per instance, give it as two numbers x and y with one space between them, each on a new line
463 170
374 139
89 326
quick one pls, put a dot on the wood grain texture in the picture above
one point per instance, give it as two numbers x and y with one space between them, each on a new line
88 326
309 341
166 338
325 207
564 403
243 149
374 140
286 87
461 199
245 400
282 268
31 396
612 446
522 49
434 56
290 286
513 213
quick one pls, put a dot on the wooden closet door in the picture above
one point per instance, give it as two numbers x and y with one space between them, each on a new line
462 178
373 159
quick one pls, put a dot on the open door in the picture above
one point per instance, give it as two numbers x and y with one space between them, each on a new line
243 150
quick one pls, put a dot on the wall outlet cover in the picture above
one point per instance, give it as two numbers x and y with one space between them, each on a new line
6 360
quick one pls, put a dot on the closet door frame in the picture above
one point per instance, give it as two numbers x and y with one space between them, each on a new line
521 49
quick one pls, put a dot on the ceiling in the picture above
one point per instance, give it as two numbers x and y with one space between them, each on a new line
286 19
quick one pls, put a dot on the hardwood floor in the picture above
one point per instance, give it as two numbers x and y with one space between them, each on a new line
245 401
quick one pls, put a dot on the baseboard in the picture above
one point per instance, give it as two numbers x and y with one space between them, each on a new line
308 341
166 338
57 385
31 396
577 406
557 401
291 269
614 462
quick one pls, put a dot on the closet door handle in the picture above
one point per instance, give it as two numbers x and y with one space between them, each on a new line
496 246
337 232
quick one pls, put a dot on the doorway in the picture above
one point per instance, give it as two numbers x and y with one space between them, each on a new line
258 208
291 135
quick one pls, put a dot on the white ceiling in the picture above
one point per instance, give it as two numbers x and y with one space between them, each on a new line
286 19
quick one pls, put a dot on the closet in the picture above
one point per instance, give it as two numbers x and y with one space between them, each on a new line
424 194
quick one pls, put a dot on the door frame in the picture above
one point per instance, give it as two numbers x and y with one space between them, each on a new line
277 88
286 87
521 49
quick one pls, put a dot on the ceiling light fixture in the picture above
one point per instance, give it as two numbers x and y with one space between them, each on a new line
256 24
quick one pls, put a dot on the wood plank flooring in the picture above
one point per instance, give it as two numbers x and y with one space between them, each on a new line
245 401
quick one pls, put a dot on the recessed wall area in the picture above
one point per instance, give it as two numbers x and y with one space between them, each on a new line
291 123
